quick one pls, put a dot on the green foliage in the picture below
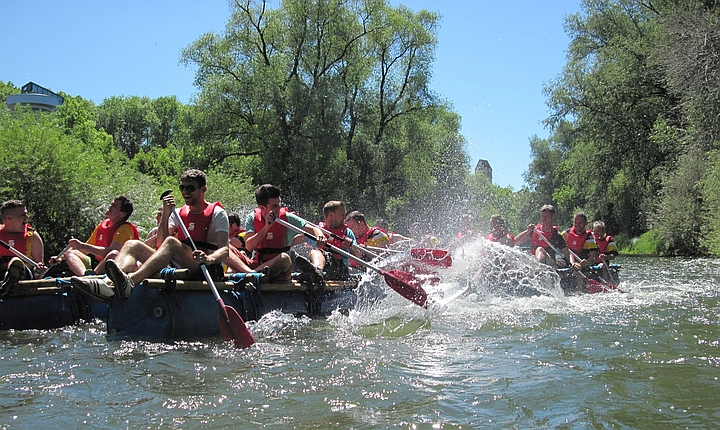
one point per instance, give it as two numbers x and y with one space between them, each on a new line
39 165
329 100
632 116
710 192
7 89
680 216
649 243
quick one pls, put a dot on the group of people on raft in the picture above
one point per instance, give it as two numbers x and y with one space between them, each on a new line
579 246
261 245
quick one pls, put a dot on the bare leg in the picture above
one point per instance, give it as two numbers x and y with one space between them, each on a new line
170 248
100 268
132 253
277 266
317 258
543 256
236 264
75 261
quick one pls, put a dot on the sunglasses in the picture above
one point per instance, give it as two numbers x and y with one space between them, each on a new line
188 188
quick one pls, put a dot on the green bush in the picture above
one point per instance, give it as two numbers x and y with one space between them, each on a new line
649 243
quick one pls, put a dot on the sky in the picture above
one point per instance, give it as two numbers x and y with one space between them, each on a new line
492 61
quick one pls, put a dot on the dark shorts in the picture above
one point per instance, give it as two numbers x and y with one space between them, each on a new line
335 268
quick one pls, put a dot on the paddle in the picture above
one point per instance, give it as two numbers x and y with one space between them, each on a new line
614 287
429 256
606 262
338 237
231 324
57 260
27 260
593 285
403 283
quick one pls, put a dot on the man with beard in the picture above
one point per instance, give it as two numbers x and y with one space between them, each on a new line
207 224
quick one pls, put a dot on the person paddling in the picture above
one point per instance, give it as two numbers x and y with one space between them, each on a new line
498 232
607 250
335 266
272 241
542 251
17 233
583 250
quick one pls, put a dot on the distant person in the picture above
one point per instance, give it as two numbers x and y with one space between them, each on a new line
16 232
580 241
540 249
607 250
392 236
498 232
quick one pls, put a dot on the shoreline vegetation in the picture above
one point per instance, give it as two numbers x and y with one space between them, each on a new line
347 113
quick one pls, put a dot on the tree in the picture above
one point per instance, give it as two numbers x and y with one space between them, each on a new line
612 97
325 99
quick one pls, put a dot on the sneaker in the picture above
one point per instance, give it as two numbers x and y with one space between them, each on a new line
121 280
15 272
306 266
94 287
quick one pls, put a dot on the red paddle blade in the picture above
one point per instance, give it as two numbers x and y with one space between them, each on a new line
234 328
432 257
406 285
595 287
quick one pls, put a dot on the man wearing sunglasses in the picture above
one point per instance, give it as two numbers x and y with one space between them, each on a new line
207 224
89 258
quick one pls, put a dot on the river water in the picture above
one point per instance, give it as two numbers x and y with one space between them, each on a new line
645 358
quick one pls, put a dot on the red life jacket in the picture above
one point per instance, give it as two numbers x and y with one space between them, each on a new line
332 240
197 223
105 233
491 237
21 241
602 244
537 242
576 241
274 241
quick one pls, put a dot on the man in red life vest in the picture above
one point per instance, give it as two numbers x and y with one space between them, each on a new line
542 251
16 232
207 224
393 236
364 234
581 242
104 242
498 232
271 241
336 266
